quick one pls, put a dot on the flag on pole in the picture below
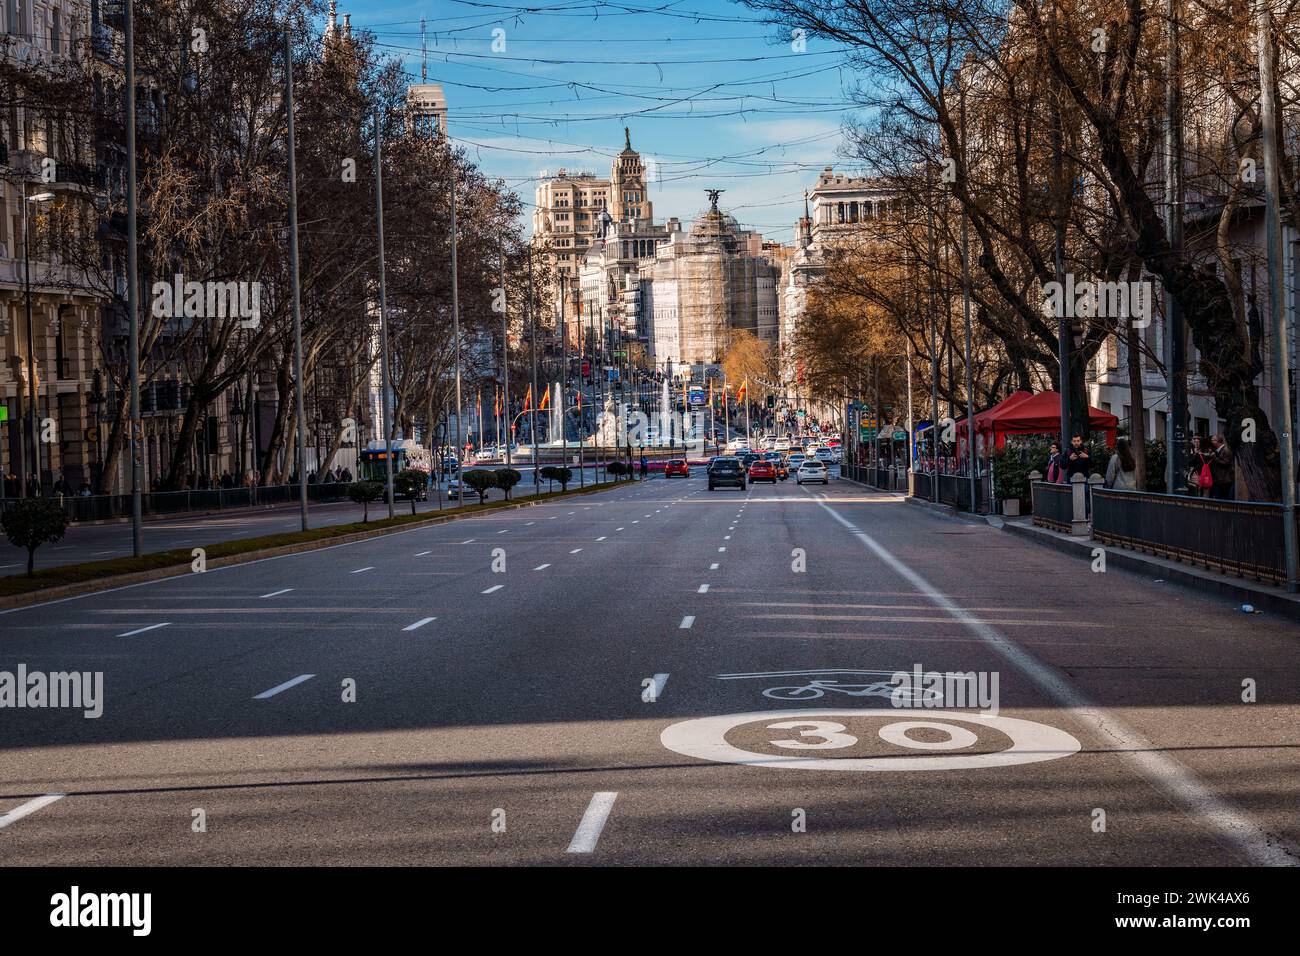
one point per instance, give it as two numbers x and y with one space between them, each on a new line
497 407
744 387
528 399
579 403
710 393
546 397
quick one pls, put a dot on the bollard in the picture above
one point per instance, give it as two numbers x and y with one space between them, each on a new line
1079 522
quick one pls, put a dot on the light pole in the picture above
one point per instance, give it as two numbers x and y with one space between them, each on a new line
383 307
455 327
32 430
505 344
532 354
136 431
296 291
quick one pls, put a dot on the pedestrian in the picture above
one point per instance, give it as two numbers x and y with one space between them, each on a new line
1055 464
1200 477
61 489
85 491
1077 460
1221 469
1121 471
645 466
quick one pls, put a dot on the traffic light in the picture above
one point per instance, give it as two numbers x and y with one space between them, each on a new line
771 401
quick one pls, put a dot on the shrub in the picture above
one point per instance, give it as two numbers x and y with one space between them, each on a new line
618 468
410 483
563 476
31 522
364 492
507 478
479 481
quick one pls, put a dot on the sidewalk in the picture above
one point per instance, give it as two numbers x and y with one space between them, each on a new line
1264 597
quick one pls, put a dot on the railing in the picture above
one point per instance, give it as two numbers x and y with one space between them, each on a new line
1238 537
923 485
1053 505
104 507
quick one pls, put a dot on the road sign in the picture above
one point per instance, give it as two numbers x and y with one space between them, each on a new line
900 436
697 395
4 413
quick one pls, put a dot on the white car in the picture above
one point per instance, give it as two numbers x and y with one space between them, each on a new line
813 470
794 461
456 489
768 444
486 454
825 456
782 444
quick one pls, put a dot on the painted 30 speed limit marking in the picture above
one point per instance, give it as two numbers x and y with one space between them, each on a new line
807 734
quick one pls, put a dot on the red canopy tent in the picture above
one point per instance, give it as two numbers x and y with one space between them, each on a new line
1029 413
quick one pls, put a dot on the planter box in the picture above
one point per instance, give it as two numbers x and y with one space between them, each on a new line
1011 507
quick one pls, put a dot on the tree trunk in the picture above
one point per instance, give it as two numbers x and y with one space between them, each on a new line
1137 410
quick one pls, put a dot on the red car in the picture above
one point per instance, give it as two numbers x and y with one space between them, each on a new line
762 470
677 466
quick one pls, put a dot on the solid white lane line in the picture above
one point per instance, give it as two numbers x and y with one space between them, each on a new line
713 566
593 821
423 553
418 624
28 808
575 551
541 567
278 593
687 621
359 570
1260 846
495 587
283 687
141 630
704 589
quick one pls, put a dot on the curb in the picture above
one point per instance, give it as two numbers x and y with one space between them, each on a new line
1263 599
58 592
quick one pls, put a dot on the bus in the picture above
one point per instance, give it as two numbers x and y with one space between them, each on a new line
372 463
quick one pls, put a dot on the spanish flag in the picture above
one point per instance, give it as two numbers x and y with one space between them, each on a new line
579 404
497 407
744 387
546 397
710 393
528 399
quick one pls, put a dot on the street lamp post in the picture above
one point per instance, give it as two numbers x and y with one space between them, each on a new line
383 308
296 290
455 325
32 399
135 431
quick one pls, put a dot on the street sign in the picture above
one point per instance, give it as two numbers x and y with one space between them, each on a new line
900 436
4 413
697 395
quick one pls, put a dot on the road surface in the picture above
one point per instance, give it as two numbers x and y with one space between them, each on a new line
657 674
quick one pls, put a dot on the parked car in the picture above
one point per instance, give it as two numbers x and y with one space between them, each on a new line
813 470
677 466
726 471
457 489
762 470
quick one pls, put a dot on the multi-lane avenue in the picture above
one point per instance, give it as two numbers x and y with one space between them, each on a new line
657 674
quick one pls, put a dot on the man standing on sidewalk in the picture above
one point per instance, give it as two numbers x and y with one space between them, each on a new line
1077 461
1221 469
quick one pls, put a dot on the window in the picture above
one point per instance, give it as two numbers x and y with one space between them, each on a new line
56 31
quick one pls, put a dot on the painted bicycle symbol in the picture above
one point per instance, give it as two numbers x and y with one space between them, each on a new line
814 689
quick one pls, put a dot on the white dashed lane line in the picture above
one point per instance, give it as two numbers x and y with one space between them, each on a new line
277 593
423 553
541 567
359 570
419 624
713 566
687 621
495 587
141 630
279 688
601 538
575 551
593 821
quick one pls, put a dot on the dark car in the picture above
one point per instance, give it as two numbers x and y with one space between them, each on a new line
762 470
677 466
748 459
726 472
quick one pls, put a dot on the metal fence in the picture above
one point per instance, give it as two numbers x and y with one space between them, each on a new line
1239 537
1053 505
106 507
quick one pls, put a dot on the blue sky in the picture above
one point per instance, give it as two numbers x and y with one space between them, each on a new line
713 97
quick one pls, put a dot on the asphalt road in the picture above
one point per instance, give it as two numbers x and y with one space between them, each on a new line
500 716
101 542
